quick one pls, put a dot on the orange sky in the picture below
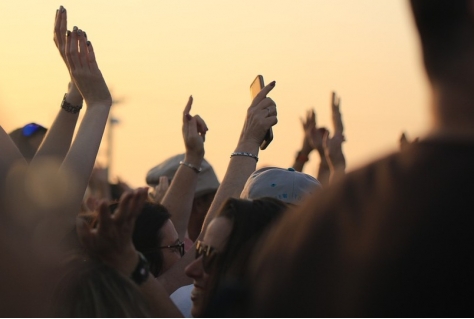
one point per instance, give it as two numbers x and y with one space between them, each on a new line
154 54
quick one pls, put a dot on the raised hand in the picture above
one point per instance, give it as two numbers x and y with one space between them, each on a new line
84 70
261 115
336 114
160 189
194 131
60 30
313 135
111 241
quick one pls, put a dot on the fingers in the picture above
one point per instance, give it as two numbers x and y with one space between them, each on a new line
91 57
105 218
187 109
82 47
263 94
201 127
72 50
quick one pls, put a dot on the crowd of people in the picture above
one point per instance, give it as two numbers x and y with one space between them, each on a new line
391 239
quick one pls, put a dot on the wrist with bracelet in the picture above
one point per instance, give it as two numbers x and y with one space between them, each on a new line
68 107
246 154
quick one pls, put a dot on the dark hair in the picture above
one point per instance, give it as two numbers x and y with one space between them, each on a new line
147 236
250 219
446 31
89 288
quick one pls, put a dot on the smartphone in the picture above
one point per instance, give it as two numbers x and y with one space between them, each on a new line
256 86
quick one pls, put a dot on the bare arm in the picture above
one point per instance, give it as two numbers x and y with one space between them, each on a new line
180 195
258 121
261 115
333 145
80 159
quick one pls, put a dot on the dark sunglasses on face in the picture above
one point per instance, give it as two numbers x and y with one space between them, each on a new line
208 254
30 129
179 246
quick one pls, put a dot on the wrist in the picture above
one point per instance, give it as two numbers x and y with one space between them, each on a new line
193 158
125 262
301 157
247 146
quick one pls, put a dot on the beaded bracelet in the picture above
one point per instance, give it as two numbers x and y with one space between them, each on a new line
197 170
255 157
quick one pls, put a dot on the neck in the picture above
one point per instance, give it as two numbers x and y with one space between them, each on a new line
453 110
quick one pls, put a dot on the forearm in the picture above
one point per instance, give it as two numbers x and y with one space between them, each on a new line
81 157
239 170
180 195
58 138
323 169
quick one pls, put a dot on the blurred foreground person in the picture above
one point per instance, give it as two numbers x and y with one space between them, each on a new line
393 239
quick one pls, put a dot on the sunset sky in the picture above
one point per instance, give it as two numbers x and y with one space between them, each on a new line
155 53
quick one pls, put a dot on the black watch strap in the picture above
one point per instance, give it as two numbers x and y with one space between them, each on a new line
142 270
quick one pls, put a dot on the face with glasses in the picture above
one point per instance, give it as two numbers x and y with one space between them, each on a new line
171 247
213 243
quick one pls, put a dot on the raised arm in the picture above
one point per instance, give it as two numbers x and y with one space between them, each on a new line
333 145
180 194
58 138
112 243
81 157
313 140
261 115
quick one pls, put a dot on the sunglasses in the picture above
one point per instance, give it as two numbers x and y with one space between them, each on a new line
30 129
179 247
208 254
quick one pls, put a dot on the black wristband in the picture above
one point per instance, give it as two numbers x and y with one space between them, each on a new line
142 270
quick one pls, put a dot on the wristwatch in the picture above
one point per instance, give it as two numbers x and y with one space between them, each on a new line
142 270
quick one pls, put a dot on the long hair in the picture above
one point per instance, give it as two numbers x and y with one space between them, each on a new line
250 219
89 288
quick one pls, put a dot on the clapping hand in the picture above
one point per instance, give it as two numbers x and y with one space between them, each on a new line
111 240
82 65
313 135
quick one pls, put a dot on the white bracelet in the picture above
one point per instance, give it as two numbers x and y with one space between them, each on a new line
194 168
255 157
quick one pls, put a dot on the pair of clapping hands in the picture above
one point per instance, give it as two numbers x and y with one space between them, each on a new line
320 139
77 52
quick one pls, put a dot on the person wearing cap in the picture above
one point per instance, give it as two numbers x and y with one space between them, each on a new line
287 185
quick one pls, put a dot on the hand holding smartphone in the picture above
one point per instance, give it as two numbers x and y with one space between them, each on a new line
255 88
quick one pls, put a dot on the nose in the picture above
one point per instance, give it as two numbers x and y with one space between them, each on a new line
195 270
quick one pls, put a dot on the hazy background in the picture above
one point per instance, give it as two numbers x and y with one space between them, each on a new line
155 53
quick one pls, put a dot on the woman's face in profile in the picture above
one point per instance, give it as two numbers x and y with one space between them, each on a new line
213 243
